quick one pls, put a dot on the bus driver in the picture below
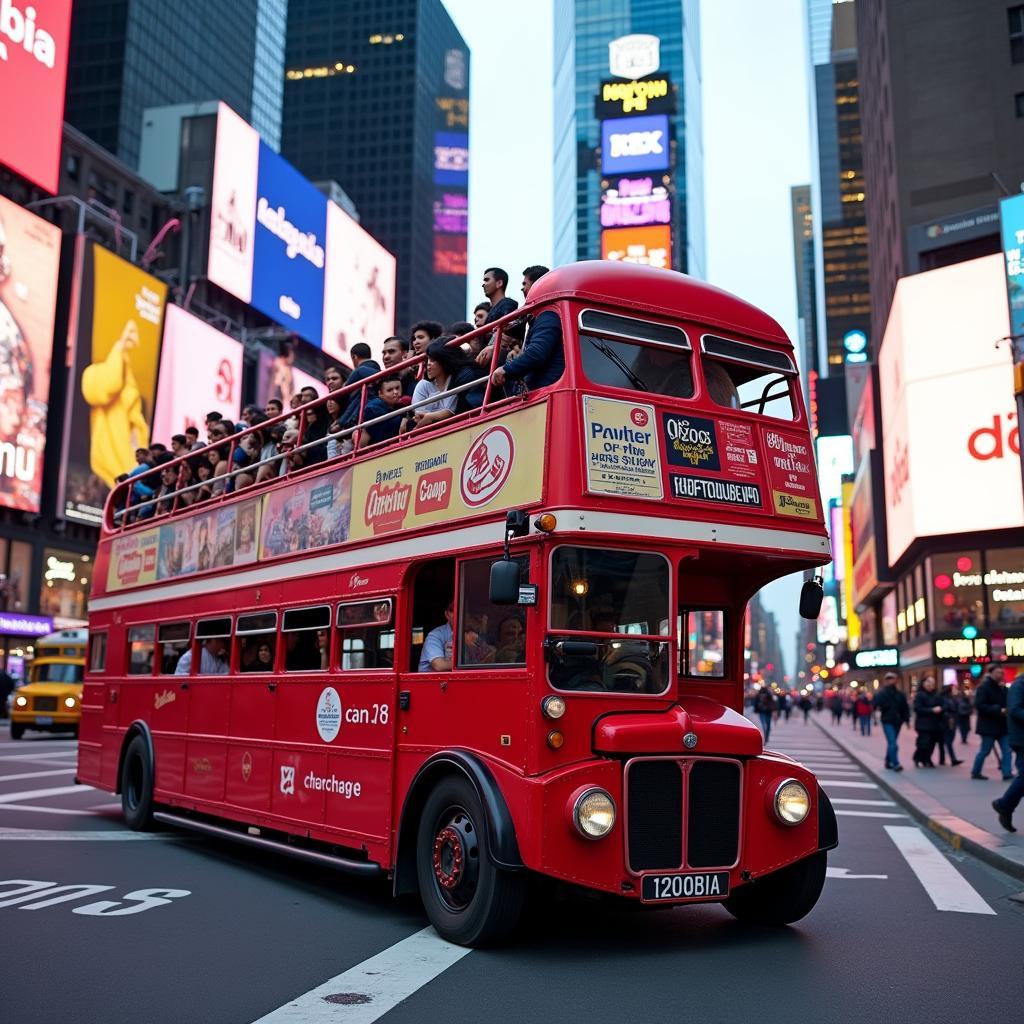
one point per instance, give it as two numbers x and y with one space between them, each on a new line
436 655
213 659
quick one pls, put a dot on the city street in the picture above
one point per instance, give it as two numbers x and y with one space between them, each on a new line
172 927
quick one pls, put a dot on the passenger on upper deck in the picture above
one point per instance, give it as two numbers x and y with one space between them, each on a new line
542 361
365 367
494 284
448 367
423 333
395 351
389 399
480 311
213 658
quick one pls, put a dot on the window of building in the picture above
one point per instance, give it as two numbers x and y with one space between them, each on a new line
366 634
174 639
15 572
307 639
1015 16
1004 586
257 641
702 643
489 634
141 644
64 588
97 652
957 590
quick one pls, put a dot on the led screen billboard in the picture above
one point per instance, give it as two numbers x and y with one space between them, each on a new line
33 73
279 377
949 434
635 202
451 158
200 370
1011 215
651 246
635 144
114 346
29 258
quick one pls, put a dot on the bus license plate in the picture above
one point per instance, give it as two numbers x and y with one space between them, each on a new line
707 885
44 720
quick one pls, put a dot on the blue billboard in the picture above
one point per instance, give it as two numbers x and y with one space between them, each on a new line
635 144
1011 214
451 158
289 254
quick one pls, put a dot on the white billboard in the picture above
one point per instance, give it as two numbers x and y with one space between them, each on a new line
950 443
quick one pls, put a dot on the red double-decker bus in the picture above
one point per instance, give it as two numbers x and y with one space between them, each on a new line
507 645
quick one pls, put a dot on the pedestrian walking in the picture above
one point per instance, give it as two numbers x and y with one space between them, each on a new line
948 733
864 709
928 714
6 689
805 706
764 705
894 713
990 705
836 706
1005 805
848 708
785 705
963 711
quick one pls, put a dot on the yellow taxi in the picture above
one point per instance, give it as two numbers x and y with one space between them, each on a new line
51 700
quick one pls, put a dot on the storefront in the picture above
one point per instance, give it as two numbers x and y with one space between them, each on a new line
64 585
17 633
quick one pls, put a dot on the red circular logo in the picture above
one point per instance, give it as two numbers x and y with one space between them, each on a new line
639 417
487 466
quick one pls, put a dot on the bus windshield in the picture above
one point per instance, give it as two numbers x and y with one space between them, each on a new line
658 369
57 673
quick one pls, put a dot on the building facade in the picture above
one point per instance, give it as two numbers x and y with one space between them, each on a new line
604 127
377 99
804 271
128 55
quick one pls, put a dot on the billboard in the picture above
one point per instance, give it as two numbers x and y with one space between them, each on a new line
1011 216
279 377
651 246
33 73
635 202
639 96
948 417
635 144
278 244
200 370
29 259
114 348
451 158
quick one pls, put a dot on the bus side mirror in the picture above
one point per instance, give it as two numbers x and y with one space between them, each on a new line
504 582
811 596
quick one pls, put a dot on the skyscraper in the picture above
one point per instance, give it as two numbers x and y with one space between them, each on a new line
127 55
641 118
804 268
377 99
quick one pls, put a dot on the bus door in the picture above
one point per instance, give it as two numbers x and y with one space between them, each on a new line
253 709
130 699
167 712
209 689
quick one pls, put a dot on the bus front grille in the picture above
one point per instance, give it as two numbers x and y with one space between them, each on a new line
660 794
44 703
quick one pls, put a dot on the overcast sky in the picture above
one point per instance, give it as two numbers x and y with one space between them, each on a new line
756 146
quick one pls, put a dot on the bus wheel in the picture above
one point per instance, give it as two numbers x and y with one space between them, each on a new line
17 730
468 900
137 786
782 897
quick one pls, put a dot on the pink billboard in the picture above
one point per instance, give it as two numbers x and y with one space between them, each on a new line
200 370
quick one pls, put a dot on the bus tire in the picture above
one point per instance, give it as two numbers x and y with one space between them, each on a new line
137 786
17 730
782 897
469 900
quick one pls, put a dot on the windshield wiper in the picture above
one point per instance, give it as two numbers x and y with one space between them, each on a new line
620 363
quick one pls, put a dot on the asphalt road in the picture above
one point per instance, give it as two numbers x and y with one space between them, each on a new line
179 928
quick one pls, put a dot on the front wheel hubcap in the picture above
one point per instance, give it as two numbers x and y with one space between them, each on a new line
455 859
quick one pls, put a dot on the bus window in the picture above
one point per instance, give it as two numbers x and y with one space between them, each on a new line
489 634
307 639
97 652
636 355
257 641
174 638
702 644
214 646
141 642
611 592
59 673
432 604
741 376
367 635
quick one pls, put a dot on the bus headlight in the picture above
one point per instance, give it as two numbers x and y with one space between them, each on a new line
69 702
552 707
21 702
792 802
593 813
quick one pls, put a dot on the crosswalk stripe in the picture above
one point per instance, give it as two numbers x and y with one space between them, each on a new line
28 794
36 775
946 887
869 803
869 814
847 783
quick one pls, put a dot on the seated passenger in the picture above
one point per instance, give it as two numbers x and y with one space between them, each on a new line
365 366
721 386
475 648
665 371
213 658
542 360
390 398
449 367
511 649
436 655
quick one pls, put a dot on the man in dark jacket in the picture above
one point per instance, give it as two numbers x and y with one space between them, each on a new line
542 360
364 367
894 713
1007 803
990 703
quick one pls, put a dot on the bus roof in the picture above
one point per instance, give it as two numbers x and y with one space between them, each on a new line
637 287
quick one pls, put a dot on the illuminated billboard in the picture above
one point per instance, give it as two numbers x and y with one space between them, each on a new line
450 254
635 202
650 246
451 213
114 351
33 73
1011 215
451 158
639 96
279 377
278 244
200 370
950 444
635 144
29 259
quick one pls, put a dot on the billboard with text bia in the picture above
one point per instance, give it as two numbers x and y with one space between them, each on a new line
29 258
950 445
200 370
33 72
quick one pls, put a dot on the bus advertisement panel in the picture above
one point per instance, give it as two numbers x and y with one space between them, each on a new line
115 347
29 258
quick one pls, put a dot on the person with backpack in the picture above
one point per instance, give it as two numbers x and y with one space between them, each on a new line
894 713
764 705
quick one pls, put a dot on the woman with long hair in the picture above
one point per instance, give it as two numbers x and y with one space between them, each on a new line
448 367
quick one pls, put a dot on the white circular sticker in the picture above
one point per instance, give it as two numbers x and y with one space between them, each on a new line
328 714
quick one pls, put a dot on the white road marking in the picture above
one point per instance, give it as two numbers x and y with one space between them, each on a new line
37 755
948 889
54 810
867 803
28 794
52 835
845 873
375 986
849 785
35 775
871 814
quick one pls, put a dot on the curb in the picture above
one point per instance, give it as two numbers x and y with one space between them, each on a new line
938 819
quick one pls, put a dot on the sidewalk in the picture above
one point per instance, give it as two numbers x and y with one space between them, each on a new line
946 800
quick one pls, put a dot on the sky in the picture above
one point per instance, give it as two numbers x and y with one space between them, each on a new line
756 146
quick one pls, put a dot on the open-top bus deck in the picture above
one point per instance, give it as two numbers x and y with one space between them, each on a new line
270 664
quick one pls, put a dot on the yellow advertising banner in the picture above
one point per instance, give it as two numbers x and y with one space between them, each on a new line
499 463
133 560
623 455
